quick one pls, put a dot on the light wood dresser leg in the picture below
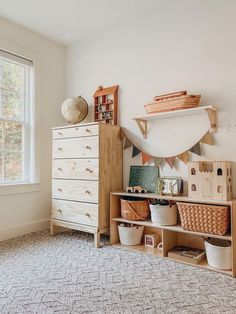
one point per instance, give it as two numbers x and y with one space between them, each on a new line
97 240
52 229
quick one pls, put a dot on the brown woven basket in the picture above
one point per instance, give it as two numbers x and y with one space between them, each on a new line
204 218
135 209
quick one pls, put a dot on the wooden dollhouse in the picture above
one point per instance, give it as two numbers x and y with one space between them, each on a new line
210 180
106 104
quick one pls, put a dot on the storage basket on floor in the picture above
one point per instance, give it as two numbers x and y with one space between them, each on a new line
219 254
213 219
134 208
130 235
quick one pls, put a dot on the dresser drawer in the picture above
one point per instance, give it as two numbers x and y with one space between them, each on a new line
86 169
83 213
77 131
75 190
81 147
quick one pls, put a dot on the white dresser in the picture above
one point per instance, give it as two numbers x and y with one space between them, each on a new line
87 166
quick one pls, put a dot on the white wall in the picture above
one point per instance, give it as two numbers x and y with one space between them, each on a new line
26 209
182 45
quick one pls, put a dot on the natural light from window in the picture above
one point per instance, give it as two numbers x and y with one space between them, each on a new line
16 118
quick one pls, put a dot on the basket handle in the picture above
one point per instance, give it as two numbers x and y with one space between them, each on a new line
134 212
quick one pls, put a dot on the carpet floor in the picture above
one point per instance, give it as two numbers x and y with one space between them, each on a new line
66 274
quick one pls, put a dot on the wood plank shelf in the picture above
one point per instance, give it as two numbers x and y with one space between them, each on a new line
154 251
210 110
175 228
180 198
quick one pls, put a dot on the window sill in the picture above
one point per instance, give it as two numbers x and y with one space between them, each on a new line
18 188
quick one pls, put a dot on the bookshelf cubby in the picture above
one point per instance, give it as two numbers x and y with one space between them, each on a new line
173 235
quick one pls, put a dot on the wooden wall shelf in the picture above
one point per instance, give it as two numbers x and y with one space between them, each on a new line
173 235
211 111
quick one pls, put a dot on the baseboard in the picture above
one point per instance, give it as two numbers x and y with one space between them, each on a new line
20 230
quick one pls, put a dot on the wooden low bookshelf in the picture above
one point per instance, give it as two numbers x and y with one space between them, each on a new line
173 235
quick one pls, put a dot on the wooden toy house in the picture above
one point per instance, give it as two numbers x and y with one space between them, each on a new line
106 104
210 180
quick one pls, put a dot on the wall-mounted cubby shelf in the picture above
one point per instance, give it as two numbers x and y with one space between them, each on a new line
106 104
211 111
173 235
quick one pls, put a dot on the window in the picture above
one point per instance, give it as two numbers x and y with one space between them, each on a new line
16 118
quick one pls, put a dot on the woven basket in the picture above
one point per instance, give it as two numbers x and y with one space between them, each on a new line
172 102
204 218
137 209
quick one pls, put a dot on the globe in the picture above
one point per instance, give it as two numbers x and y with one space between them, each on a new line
74 109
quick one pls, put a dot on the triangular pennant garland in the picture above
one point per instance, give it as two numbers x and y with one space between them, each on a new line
157 161
135 152
207 139
170 161
127 143
196 149
184 157
145 158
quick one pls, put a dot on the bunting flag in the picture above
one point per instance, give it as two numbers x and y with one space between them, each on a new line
196 149
184 157
170 161
135 152
207 139
157 161
145 158
127 143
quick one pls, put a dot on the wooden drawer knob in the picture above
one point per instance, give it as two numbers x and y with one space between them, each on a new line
87 215
89 170
60 133
59 210
88 131
59 190
87 192
60 148
88 147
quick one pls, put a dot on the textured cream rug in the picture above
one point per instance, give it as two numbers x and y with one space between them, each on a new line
66 274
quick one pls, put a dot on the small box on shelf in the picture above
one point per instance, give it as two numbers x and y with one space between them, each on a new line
151 240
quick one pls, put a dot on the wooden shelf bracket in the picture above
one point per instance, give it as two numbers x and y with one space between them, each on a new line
142 124
212 118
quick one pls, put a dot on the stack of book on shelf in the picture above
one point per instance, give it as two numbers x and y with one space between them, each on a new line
187 254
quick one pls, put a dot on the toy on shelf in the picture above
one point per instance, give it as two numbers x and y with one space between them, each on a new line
136 189
106 104
151 240
169 186
210 179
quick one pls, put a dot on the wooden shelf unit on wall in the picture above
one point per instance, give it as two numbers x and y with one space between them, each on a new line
211 111
106 104
173 235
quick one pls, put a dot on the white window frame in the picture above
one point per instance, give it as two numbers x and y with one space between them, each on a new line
28 123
